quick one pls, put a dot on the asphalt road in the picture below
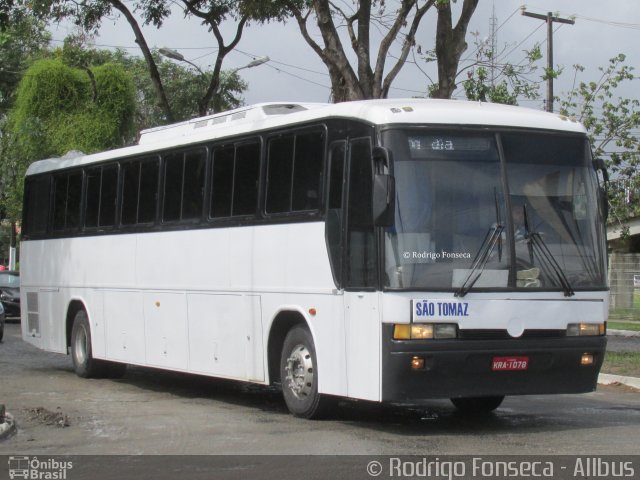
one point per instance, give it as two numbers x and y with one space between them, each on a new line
161 413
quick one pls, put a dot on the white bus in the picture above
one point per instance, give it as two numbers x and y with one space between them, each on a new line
389 250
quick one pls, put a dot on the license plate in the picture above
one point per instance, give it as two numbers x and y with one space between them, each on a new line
509 364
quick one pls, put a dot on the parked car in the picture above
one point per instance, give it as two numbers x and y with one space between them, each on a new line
10 292
1 321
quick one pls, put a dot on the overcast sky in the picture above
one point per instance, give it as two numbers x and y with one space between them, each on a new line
295 73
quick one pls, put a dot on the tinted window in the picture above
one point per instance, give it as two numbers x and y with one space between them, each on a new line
139 192
148 198
307 173
294 172
173 168
68 193
108 193
246 179
36 209
130 185
193 185
235 180
361 252
279 175
335 213
92 207
222 182
184 185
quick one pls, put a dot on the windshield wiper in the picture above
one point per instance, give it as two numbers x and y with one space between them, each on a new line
548 262
480 261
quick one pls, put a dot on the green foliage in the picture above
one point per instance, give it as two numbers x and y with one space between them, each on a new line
612 123
183 86
24 38
510 82
55 112
477 88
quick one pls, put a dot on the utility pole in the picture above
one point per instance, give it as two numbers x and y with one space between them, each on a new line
549 18
494 45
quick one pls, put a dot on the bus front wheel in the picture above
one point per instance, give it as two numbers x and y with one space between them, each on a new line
477 405
84 364
299 375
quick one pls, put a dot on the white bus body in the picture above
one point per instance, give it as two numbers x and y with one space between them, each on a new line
217 294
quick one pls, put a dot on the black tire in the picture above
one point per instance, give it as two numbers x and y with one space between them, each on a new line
1 331
84 364
299 375
477 405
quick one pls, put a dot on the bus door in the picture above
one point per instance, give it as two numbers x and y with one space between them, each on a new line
361 301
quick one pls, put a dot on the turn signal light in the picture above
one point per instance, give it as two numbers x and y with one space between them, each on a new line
424 331
585 329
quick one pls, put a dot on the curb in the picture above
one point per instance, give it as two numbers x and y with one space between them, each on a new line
623 333
8 427
608 379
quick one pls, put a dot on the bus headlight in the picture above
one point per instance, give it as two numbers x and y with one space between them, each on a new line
424 331
585 329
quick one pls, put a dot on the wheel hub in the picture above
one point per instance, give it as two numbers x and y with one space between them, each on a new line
299 370
80 350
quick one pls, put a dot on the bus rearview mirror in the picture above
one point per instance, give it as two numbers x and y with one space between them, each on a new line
384 193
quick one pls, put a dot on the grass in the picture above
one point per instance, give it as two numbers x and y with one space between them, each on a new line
622 363
624 326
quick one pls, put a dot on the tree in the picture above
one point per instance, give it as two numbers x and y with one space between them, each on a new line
212 13
370 77
508 83
55 111
450 45
23 39
612 123
182 85
364 80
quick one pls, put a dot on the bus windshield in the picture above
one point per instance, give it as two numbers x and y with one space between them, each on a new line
479 210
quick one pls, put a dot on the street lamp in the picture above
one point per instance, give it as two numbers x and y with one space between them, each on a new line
253 63
175 55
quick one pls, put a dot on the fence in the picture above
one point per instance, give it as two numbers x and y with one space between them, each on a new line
624 274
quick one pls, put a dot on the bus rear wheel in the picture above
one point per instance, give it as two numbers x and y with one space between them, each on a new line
84 364
299 375
477 405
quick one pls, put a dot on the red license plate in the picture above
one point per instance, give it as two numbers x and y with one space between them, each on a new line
509 364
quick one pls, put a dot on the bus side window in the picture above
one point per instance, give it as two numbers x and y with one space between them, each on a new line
108 196
307 171
148 200
130 186
193 185
67 198
279 174
222 182
245 180
294 172
334 210
37 198
92 199
173 177
360 251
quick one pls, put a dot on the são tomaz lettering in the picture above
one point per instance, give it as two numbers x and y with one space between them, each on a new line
426 308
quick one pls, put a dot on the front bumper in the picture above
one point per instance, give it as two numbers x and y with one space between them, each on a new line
462 368
11 307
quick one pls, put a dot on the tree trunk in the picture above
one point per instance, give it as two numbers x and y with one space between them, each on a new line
146 52
450 45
